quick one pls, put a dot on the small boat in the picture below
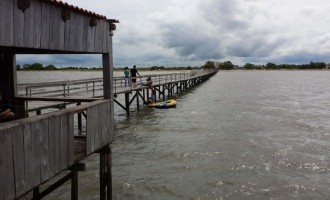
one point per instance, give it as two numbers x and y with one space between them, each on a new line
165 104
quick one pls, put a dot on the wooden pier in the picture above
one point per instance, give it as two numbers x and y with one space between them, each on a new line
35 148
58 95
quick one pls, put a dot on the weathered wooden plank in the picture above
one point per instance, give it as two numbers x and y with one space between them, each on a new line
2 23
91 38
44 150
54 135
74 33
28 162
52 144
36 152
105 34
79 34
28 31
109 122
19 165
37 24
84 26
53 28
67 35
18 27
99 37
70 138
45 19
92 128
101 126
64 141
61 31
7 184
57 143
106 123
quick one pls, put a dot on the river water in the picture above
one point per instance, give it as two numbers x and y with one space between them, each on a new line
239 135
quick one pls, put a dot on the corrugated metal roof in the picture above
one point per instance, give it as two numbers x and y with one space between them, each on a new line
80 10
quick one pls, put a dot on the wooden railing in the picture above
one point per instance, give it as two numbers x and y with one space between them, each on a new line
91 87
34 149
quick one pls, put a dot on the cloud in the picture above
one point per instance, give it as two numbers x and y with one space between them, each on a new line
154 32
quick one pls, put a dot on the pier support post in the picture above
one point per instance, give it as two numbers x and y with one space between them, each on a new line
137 100
127 103
105 174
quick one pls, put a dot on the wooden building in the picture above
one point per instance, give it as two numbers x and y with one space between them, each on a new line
35 149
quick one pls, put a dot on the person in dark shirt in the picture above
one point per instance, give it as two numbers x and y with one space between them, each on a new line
6 112
133 75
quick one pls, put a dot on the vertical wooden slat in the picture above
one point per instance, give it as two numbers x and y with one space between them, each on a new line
52 146
79 34
92 128
37 25
2 22
99 37
36 153
19 165
64 141
28 162
45 18
105 33
84 27
53 28
74 33
102 126
18 25
108 122
67 35
7 184
91 38
44 153
29 26
70 137
54 141
57 140
61 31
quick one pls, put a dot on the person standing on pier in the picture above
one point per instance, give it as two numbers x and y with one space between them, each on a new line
133 75
126 75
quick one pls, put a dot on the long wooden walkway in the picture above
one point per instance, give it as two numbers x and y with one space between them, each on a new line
57 95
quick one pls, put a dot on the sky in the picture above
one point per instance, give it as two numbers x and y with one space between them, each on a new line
191 32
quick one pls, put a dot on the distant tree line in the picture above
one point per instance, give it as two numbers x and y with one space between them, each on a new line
39 66
227 65
311 65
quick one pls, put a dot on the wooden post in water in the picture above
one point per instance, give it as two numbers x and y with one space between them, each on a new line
137 100
127 103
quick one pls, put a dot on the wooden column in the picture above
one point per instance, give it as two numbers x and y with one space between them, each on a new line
109 174
105 174
107 76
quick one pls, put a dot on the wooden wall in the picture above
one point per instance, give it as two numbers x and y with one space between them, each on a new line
41 27
32 150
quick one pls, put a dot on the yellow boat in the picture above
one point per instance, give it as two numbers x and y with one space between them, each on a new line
165 104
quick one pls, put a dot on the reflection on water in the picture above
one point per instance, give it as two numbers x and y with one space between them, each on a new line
240 135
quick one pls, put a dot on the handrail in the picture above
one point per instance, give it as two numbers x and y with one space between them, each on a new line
67 88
